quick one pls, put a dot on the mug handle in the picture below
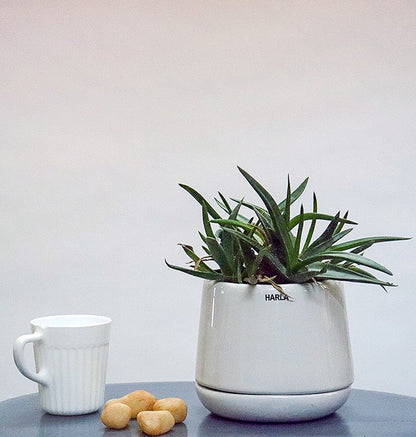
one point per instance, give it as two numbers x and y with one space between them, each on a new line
18 355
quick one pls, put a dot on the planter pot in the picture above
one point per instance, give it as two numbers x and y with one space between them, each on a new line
263 357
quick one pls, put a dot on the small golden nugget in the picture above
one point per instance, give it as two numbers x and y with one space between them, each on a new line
116 415
139 400
155 422
111 401
176 406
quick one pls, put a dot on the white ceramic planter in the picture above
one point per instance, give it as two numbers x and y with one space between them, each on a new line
263 357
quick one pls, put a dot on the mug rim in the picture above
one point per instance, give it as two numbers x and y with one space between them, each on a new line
70 321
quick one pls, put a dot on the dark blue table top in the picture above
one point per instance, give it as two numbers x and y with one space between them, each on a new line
366 413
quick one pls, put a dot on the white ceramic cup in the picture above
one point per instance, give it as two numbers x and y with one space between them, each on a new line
71 354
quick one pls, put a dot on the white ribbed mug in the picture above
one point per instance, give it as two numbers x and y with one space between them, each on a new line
71 354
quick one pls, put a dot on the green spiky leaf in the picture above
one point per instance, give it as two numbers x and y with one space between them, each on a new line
261 248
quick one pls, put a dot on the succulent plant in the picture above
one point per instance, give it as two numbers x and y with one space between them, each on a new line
272 246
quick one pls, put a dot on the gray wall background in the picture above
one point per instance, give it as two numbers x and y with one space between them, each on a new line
106 105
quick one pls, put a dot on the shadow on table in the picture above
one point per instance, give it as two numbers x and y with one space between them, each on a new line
132 430
332 425
89 425
66 426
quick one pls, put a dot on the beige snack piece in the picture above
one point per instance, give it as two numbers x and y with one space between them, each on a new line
139 400
116 415
111 401
155 422
176 406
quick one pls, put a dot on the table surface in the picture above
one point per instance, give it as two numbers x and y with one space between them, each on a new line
366 413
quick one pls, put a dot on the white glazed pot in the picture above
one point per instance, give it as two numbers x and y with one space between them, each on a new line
255 344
